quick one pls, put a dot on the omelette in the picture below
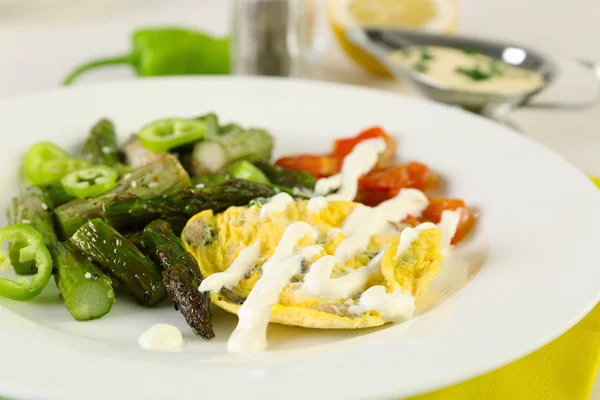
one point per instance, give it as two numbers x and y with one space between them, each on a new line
325 263
319 263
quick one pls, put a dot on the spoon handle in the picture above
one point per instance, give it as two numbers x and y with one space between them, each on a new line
594 68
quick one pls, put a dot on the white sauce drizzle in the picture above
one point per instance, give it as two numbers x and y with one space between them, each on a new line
391 306
251 332
235 273
409 235
276 204
333 232
360 161
318 281
326 185
311 251
316 204
448 225
353 222
365 222
291 236
161 337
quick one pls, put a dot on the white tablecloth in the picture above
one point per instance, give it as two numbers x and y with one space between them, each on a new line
41 40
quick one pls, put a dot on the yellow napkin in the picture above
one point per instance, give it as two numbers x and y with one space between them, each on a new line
563 369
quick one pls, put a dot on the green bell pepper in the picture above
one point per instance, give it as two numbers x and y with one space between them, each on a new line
90 182
31 247
168 51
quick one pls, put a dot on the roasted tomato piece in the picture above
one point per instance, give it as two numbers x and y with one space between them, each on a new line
437 205
318 166
412 221
373 197
413 175
384 183
343 147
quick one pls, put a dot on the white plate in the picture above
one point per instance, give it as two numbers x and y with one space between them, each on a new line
540 216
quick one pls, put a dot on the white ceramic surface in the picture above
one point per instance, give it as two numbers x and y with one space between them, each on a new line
539 215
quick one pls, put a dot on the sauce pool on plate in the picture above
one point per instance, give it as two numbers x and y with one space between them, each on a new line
161 337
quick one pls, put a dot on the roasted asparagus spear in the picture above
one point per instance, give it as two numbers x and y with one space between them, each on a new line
85 290
101 144
137 155
119 257
203 181
207 181
185 153
181 276
212 125
215 154
162 176
58 194
290 178
128 212
229 128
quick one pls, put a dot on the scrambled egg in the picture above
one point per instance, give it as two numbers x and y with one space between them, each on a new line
216 240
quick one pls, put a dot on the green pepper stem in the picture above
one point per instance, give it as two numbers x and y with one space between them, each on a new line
95 64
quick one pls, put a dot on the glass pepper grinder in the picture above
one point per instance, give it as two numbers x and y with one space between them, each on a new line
271 37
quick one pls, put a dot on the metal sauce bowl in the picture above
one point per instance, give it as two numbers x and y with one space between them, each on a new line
381 42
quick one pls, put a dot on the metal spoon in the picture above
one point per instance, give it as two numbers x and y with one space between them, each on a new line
381 42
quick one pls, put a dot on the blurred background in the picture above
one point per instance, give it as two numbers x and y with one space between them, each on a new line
41 41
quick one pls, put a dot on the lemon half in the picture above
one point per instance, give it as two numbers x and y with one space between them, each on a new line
439 16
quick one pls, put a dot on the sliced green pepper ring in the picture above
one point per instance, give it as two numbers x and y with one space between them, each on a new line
38 154
32 248
165 134
53 170
90 182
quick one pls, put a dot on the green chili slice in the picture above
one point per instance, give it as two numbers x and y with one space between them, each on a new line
37 155
53 170
90 182
245 170
165 134
45 163
32 248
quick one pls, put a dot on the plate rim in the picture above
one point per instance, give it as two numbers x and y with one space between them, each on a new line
286 81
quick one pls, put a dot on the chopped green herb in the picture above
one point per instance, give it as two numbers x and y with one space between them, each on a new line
472 51
420 67
426 54
259 201
474 73
477 73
